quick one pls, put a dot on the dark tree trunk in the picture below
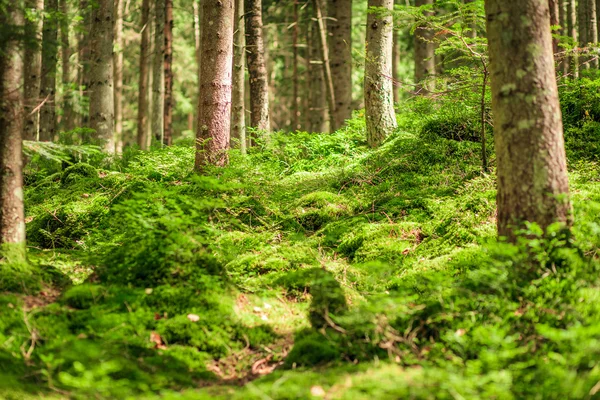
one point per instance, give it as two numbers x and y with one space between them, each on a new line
33 69
424 54
168 120
339 25
144 79
238 109
49 63
317 100
158 72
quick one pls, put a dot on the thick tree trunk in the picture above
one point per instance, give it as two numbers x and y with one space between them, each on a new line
532 169
12 215
33 68
68 80
238 110
340 58
592 33
158 71
168 112
330 91
257 70
424 54
572 32
118 74
379 97
317 113
102 109
214 113
49 64
143 100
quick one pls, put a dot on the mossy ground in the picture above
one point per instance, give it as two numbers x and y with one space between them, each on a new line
312 268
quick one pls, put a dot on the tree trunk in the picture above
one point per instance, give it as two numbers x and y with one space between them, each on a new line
331 102
238 110
562 20
554 21
33 68
424 54
472 25
296 78
396 50
83 50
168 106
49 62
143 100
582 32
592 33
12 215
379 97
118 74
102 109
317 114
340 58
257 70
530 153
214 113
158 70
572 32
68 80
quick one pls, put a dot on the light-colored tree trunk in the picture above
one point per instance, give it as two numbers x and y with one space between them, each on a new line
118 74
168 106
572 32
12 214
158 71
396 50
83 50
144 80
582 31
68 80
257 70
379 97
295 75
317 99
214 114
102 108
33 68
339 25
424 54
554 21
592 33
238 109
330 91
530 153
49 64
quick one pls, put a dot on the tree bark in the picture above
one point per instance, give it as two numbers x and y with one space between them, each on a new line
118 74
257 70
102 109
532 169
238 110
83 50
158 70
143 100
49 64
554 21
379 98
582 32
424 54
317 113
340 57
296 78
214 113
396 50
572 32
12 214
330 91
33 68
68 80
592 33
168 106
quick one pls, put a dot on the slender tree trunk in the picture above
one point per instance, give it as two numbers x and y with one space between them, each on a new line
582 32
326 64
143 100
317 120
198 9
33 68
68 80
102 108
530 153
49 63
158 70
340 57
214 112
554 21
424 54
238 110
379 97
592 34
257 70
396 50
296 78
473 25
83 50
562 19
572 32
118 73
168 112
12 215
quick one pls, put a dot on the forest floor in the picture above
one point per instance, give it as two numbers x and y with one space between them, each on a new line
314 267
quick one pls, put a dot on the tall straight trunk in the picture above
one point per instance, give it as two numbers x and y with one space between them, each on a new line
554 21
49 64
592 33
296 79
396 50
339 24
562 20
33 68
158 72
118 74
102 107
68 80
198 8
572 33
238 110
379 98
83 50
582 31
331 102
12 215
532 168
317 113
143 100
168 106
214 113
424 54
257 70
